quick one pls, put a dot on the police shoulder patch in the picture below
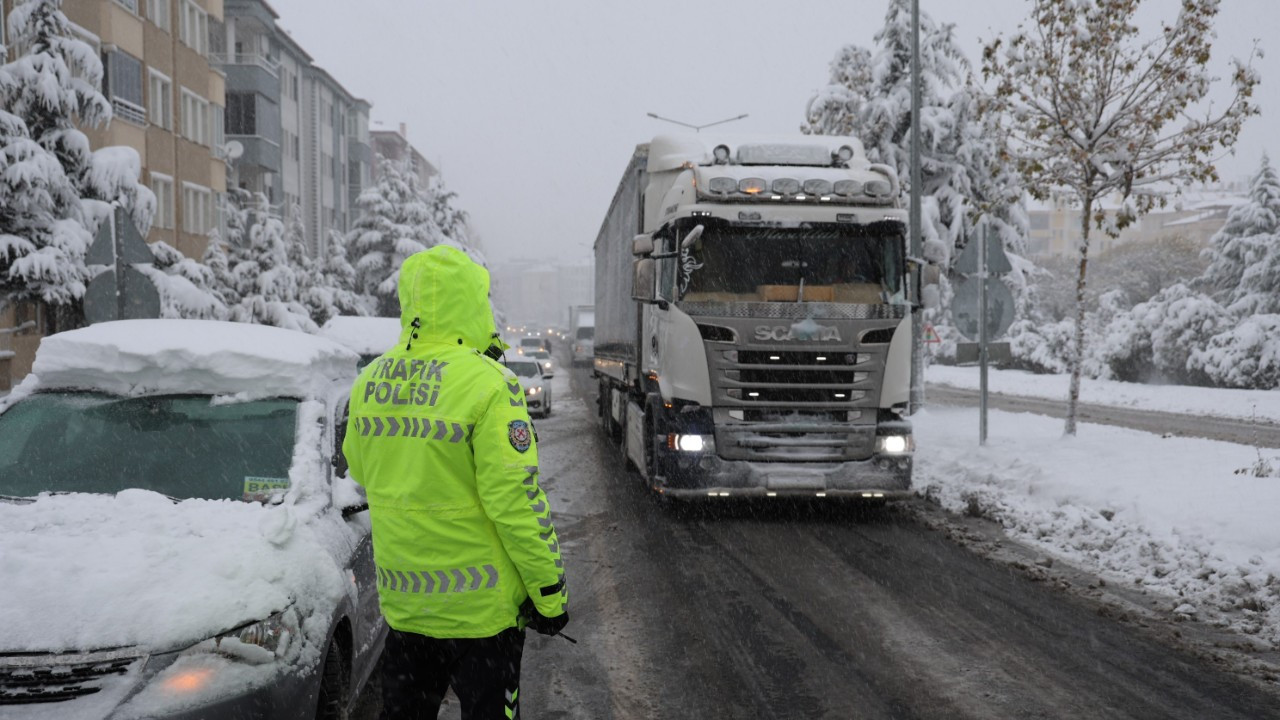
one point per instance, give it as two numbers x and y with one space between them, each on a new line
520 435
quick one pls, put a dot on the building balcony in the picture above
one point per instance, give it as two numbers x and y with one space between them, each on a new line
227 59
258 151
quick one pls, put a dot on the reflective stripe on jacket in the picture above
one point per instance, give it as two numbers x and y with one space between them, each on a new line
439 436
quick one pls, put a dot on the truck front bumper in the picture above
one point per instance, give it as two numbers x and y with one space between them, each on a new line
698 475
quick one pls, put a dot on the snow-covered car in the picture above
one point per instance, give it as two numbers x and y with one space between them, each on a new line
544 359
530 344
174 541
536 384
368 336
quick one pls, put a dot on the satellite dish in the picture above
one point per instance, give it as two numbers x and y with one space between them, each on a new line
234 149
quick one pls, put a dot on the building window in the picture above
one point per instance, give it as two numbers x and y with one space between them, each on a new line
162 186
130 5
160 101
197 209
241 114
124 86
193 29
326 162
217 120
195 117
158 13
297 148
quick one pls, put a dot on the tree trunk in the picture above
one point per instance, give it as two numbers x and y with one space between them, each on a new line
1077 350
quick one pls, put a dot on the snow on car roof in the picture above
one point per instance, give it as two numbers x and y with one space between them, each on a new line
365 335
192 356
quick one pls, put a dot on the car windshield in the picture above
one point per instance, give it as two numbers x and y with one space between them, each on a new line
822 263
183 446
530 342
524 368
540 354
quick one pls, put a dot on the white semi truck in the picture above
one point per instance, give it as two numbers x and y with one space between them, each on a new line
753 319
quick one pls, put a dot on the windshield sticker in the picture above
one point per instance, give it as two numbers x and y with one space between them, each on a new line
260 489
687 265
519 434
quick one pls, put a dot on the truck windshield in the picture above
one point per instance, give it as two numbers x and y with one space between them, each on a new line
178 445
823 263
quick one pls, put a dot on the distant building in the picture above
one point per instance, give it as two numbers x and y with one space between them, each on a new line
393 145
1195 214
304 139
538 294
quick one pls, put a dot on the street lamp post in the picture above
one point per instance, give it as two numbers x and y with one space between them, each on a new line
696 128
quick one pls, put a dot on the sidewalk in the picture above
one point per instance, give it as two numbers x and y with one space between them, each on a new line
1183 519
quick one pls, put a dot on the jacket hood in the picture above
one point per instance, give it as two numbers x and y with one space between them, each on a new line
448 294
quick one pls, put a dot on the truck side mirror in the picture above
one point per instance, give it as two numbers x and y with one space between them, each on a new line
691 238
642 280
642 245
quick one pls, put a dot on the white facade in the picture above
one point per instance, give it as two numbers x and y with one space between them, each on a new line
538 294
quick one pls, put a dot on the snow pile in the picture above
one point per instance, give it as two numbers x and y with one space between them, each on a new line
1170 516
364 335
85 572
1263 405
192 356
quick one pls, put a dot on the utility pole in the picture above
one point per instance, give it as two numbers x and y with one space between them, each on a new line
916 396
696 128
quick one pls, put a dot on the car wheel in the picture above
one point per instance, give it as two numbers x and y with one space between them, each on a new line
332 704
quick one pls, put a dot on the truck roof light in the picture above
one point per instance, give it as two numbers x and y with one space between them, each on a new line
817 186
843 155
722 185
847 187
786 186
721 154
753 186
879 188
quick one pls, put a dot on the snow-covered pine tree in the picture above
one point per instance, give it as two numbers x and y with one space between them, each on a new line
1244 256
261 275
185 285
395 223
340 277
835 109
52 181
451 219
1096 109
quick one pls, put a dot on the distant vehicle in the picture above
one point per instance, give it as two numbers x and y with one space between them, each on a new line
528 344
755 338
544 358
369 337
582 329
537 389
176 541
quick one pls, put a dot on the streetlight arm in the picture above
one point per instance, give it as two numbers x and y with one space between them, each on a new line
696 128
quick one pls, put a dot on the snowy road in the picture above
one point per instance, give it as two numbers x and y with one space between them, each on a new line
746 614
1246 432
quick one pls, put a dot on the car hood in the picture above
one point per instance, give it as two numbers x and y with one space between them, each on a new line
528 382
84 572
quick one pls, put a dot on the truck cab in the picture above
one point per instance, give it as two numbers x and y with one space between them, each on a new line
769 352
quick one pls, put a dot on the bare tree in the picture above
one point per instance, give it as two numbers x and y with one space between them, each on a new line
1094 108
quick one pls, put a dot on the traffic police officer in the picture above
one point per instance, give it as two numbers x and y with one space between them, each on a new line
440 438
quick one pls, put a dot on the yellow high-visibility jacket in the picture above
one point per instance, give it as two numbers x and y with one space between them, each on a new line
440 438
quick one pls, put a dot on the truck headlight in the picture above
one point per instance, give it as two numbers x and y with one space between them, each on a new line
687 443
894 444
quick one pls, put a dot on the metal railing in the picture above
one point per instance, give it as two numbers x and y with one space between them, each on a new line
126 110
262 61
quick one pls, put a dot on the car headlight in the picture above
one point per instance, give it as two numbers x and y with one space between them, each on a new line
257 642
895 444
532 391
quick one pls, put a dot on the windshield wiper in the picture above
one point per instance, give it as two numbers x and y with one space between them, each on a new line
17 499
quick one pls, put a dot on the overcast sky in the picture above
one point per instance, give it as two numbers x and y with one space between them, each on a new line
532 107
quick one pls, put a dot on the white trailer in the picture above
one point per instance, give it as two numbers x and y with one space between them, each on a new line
582 327
753 319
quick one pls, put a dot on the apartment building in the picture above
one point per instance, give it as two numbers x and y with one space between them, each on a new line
302 138
392 144
1193 213
168 105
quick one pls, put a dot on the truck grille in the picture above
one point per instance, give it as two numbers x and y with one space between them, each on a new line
40 678
808 404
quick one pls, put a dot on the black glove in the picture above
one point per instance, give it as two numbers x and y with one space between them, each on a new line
544 625
540 623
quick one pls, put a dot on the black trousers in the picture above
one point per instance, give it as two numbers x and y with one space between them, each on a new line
483 672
